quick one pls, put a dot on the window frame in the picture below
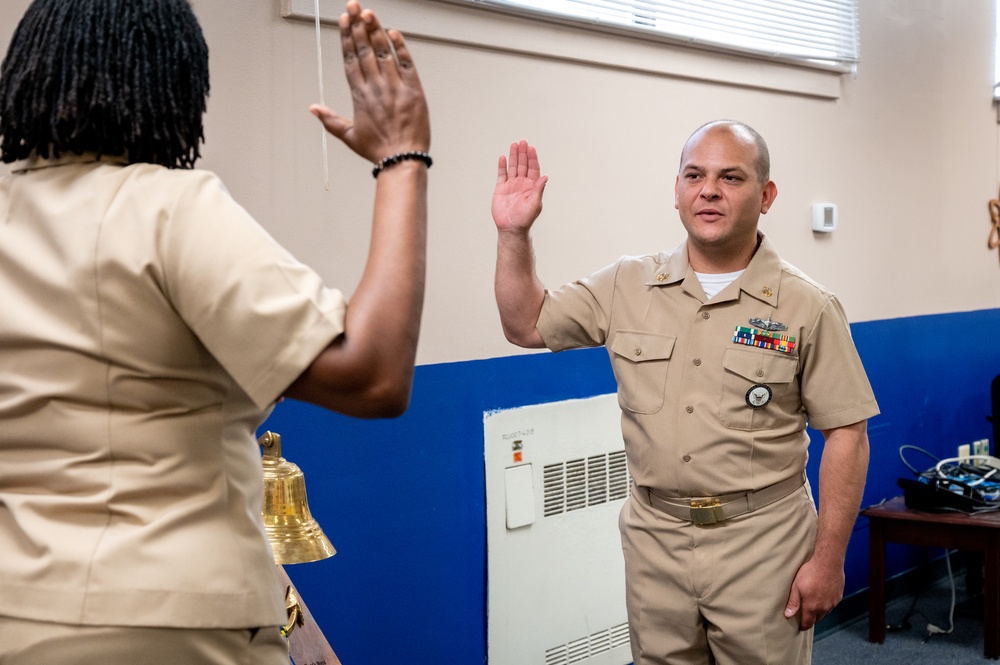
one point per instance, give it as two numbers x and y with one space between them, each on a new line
458 24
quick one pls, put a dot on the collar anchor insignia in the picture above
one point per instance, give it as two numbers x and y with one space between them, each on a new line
767 324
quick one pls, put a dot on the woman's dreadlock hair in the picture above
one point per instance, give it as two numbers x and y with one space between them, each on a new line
114 77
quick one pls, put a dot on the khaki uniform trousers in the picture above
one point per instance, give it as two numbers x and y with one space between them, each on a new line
716 594
36 643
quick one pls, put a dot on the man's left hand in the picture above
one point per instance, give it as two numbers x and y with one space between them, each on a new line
816 590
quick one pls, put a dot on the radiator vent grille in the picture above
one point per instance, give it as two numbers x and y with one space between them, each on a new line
580 483
579 479
580 650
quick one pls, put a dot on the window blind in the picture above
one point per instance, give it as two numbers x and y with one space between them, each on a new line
821 32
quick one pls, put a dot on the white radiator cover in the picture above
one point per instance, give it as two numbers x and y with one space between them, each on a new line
556 479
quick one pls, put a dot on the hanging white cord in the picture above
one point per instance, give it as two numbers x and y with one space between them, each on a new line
322 101
937 630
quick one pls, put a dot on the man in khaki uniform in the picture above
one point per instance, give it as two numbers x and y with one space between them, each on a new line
723 354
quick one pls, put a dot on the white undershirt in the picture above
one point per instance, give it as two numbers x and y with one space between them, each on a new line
712 283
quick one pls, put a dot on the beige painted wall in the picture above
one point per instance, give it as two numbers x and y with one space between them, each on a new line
908 150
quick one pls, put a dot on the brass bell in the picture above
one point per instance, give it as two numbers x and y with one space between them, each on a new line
294 535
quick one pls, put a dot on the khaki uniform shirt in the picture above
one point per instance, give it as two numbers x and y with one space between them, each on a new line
703 415
148 326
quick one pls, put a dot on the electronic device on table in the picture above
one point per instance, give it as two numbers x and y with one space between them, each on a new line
968 484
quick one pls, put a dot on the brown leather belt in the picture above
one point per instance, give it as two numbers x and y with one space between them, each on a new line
713 509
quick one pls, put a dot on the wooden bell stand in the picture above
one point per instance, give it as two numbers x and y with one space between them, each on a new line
306 643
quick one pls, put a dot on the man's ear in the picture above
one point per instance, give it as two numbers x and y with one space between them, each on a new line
770 193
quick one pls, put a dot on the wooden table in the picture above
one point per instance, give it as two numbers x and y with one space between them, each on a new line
893 522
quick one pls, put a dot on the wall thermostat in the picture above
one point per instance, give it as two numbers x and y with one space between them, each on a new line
824 217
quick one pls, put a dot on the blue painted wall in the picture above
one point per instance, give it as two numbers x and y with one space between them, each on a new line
404 500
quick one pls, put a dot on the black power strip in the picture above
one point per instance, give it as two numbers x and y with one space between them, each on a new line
943 495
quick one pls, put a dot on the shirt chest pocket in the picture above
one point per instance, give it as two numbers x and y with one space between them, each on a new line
640 361
747 368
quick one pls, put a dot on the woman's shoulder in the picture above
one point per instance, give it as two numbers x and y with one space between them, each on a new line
156 175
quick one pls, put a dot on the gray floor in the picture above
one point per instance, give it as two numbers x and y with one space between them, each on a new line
964 645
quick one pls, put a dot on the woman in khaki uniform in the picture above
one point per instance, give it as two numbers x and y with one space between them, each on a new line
130 479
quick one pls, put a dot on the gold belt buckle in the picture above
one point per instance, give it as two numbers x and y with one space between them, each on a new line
708 511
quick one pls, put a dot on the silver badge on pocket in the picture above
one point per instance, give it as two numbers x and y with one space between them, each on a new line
768 324
758 396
